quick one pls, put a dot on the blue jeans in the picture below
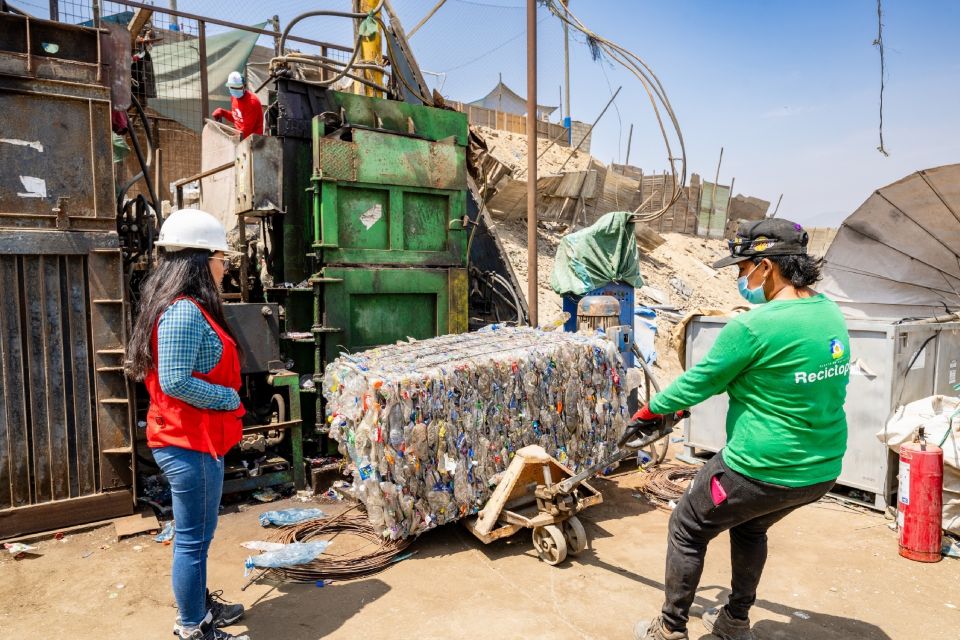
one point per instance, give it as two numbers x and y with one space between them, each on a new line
196 482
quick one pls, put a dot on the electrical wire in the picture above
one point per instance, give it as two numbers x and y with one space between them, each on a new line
879 44
655 91
348 566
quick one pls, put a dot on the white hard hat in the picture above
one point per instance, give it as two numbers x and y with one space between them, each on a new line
235 80
193 229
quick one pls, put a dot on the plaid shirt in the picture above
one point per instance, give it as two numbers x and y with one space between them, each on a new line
186 343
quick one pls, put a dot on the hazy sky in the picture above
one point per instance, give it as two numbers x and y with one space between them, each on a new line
789 89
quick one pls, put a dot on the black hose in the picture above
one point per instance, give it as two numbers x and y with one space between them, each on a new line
314 14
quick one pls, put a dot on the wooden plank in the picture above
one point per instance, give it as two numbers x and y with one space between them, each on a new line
82 403
647 238
499 533
64 513
140 18
135 525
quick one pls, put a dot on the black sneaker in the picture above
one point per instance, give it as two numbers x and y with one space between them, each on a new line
224 613
206 631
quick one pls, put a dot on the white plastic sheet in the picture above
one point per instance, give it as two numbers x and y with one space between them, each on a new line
934 415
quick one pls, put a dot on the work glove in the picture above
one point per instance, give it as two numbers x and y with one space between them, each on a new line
645 415
219 113
647 426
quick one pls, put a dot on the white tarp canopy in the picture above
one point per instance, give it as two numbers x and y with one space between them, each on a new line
898 255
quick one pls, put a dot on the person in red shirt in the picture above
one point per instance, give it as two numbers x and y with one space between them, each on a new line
246 112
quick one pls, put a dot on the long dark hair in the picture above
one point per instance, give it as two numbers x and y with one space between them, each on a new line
179 273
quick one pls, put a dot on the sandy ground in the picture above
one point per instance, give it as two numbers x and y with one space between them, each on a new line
833 574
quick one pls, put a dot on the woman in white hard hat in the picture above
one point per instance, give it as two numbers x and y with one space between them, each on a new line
182 349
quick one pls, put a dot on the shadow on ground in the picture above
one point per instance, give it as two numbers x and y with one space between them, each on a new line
306 612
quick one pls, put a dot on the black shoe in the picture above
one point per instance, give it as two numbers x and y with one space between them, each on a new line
224 613
206 631
221 612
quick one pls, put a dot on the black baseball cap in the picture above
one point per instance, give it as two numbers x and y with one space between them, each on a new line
763 238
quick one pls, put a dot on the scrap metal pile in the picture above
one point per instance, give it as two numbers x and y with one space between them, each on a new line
429 426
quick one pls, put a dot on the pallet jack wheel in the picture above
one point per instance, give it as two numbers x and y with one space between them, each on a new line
575 535
550 543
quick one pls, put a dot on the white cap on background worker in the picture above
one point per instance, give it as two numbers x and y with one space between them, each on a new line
235 84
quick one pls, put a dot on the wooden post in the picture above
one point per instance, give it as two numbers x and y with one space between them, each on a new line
626 161
204 89
713 194
566 60
532 288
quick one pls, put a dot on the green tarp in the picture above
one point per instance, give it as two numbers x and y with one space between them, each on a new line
602 253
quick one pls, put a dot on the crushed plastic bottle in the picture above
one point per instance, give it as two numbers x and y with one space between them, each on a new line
289 516
428 425
287 556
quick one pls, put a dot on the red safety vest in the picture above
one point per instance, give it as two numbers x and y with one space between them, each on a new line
173 422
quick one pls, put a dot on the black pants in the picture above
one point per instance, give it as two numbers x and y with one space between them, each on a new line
750 508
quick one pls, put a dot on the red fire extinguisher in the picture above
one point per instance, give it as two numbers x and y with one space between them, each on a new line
921 497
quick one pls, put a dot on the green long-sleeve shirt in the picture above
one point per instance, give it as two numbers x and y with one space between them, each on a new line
785 366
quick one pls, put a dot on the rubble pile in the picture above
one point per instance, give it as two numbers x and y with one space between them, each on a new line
429 426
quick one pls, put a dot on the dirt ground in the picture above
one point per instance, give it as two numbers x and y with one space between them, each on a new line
833 574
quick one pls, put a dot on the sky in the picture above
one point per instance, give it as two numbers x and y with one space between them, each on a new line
789 90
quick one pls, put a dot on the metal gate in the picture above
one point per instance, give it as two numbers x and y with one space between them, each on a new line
65 405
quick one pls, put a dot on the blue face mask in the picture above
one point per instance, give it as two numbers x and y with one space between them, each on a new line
236 93
753 296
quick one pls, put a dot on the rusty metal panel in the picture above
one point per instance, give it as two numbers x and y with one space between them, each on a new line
14 447
55 154
65 412
56 164
48 49
258 175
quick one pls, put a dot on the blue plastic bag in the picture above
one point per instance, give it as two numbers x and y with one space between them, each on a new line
645 333
288 516
166 534
291 554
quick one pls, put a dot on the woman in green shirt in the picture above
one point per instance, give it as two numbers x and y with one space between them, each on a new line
785 365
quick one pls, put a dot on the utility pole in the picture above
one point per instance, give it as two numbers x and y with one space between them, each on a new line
174 26
626 161
566 60
713 194
532 288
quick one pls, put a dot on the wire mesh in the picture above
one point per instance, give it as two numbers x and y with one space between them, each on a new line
165 63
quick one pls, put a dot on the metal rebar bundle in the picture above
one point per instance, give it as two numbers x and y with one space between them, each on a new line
666 484
371 558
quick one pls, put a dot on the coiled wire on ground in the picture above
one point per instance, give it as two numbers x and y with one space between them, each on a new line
367 560
665 484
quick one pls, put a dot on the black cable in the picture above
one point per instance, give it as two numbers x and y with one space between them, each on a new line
879 44
144 167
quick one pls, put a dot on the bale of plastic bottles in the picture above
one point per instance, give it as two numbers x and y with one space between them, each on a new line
429 426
